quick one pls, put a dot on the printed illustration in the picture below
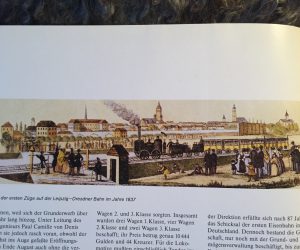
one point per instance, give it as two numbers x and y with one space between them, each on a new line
196 143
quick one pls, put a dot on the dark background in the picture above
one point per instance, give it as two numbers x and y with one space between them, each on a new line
149 11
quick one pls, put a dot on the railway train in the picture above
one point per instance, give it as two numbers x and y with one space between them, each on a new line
145 150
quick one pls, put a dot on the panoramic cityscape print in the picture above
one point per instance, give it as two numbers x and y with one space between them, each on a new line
194 143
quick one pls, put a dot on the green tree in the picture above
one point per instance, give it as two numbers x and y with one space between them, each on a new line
7 141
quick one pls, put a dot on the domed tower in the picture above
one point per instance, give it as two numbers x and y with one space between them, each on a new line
234 113
158 114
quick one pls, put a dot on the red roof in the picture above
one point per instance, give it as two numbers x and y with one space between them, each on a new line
7 125
88 120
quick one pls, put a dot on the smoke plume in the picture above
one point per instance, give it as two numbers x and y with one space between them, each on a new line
123 112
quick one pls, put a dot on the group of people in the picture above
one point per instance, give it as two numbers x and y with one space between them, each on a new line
62 162
210 164
66 163
257 163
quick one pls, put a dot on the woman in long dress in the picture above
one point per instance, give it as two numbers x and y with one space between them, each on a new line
62 163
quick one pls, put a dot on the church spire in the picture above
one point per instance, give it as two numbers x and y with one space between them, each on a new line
85 112
286 115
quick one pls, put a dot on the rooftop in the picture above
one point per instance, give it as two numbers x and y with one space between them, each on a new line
7 125
47 123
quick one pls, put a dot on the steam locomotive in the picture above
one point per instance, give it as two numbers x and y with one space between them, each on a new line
145 150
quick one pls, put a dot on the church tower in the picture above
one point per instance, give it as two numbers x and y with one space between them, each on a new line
286 115
85 112
234 113
223 118
158 114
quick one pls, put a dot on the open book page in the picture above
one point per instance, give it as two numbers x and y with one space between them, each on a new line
150 138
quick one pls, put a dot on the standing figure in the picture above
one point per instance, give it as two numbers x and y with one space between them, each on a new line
297 160
201 145
71 160
280 159
260 161
247 159
267 163
207 162
233 166
54 161
98 169
293 155
214 161
78 161
60 161
253 158
43 162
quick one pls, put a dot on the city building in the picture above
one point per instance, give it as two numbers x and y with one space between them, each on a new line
7 128
287 122
85 125
235 118
157 118
61 127
46 128
252 128
120 133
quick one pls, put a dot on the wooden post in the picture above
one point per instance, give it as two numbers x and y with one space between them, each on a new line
31 155
87 159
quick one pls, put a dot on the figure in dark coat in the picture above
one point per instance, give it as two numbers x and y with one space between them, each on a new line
260 162
43 162
297 160
253 158
207 162
201 145
78 161
71 160
214 161
54 161
293 155
98 169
